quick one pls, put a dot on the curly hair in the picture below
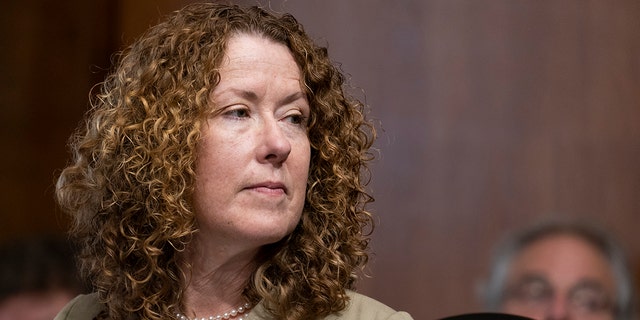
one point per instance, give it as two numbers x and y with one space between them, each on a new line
131 179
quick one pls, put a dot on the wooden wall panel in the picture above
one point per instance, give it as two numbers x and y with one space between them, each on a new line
51 55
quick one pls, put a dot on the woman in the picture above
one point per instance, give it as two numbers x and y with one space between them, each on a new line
219 175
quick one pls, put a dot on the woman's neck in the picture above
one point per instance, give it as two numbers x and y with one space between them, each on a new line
215 279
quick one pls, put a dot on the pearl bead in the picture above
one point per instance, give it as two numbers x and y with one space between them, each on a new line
239 312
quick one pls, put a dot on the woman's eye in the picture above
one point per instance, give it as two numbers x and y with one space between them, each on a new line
296 119
237 113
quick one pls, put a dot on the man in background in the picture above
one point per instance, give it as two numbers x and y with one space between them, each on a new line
560 270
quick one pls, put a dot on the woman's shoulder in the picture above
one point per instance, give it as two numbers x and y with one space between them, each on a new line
360 307
363 307
82 307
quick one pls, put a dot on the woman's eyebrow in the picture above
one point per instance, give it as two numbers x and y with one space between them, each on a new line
243 93
293 97
252 96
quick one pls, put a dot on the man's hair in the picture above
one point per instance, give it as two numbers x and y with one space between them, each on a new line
130 183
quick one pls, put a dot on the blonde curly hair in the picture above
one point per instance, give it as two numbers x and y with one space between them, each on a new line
131 180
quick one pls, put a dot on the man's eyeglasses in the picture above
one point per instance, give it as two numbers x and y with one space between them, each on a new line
585 298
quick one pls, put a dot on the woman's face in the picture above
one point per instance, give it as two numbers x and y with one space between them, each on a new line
253 161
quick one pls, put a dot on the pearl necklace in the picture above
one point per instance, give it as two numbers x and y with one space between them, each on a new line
225 316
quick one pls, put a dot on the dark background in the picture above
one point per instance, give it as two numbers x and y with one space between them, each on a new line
492 114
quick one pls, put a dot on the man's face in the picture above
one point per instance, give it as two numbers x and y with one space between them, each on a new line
560 277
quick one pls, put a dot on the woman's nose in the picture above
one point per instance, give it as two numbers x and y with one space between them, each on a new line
274 144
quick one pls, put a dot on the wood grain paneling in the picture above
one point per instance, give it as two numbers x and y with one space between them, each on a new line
51 55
